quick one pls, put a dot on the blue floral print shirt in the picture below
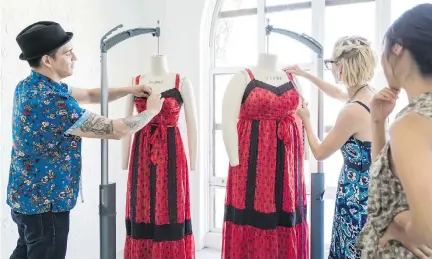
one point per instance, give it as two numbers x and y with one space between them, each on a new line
45 165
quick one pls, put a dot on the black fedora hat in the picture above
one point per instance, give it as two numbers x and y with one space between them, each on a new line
41 38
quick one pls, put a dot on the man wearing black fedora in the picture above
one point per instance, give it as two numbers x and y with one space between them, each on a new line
47 128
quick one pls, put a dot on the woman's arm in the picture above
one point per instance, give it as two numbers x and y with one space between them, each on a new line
411 149
378 138
347 124
329 89
381 105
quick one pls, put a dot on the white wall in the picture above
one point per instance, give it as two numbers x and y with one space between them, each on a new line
89 20
1 131
181 41
184 42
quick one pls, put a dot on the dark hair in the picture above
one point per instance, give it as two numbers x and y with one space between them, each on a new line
413 31
36 62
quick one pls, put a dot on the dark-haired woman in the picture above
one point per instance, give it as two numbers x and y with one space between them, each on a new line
399 223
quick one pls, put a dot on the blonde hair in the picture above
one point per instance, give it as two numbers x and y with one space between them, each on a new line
357 58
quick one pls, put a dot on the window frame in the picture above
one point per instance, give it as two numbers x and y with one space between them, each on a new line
213 235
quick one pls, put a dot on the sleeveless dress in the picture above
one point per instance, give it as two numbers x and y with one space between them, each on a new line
158 220
265 206
387 197
351 198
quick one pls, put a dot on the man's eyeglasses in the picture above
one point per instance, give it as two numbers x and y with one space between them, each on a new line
328 63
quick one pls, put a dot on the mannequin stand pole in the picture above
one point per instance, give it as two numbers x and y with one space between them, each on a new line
107 191
317 178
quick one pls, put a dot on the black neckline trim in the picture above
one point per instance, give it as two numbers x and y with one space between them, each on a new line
173 92
277 90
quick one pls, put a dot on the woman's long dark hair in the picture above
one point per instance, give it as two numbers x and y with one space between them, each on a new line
413 31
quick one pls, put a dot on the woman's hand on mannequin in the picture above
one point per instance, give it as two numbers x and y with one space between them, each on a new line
295 70
329 89
303 111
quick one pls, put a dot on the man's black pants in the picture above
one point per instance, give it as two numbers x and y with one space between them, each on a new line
41 236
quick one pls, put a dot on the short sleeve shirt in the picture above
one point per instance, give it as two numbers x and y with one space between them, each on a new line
45 165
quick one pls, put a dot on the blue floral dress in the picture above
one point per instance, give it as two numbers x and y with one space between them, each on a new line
351 199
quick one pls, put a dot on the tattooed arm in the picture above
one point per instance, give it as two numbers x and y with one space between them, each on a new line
97 126
92 125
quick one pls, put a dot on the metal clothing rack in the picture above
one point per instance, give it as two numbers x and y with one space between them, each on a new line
317 178
107 191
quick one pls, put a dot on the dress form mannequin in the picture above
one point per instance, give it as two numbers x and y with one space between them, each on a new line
161 79
265 71
265 193
158 217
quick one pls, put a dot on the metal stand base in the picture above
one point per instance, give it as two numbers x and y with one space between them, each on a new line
107 211
317 216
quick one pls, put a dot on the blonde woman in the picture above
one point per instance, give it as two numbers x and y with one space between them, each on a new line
353 63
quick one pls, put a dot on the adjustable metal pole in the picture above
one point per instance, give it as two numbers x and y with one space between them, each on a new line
107 191
318 184
317 178
104 112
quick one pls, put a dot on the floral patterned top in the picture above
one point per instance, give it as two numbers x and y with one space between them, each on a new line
387 197
45 165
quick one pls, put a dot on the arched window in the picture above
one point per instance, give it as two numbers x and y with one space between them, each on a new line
238 36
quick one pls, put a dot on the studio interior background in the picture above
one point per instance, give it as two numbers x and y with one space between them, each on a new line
206 41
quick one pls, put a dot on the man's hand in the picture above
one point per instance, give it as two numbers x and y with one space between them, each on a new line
141 91
154 103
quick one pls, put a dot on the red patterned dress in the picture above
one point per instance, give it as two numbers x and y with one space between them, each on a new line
265 207
158 221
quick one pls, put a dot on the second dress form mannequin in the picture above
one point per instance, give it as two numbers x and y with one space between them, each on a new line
265 206
158 218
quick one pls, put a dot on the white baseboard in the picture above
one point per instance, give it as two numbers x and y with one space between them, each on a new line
119 254
213 241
